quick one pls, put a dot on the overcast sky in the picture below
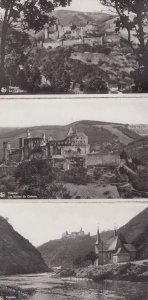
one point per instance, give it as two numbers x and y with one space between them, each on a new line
43 221
22 113
86 5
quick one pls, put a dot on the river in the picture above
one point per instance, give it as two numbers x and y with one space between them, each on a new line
47 287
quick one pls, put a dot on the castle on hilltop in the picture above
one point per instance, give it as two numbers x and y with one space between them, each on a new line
75 144
76 29
74 235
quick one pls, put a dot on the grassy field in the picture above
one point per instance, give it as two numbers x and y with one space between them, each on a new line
92 191
124 139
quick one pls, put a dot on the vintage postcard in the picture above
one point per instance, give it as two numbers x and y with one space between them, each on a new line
74 149
75 251
73 47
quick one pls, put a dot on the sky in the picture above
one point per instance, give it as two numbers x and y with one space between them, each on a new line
44 221
86 6
35 112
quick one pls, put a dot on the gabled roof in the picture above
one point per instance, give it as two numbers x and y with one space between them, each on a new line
113 244
121 251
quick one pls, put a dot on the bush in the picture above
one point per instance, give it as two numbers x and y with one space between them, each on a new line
97 85
77 176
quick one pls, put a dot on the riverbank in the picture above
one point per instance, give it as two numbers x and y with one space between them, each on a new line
132 271
7 292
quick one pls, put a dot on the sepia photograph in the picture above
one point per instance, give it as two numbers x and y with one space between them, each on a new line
53 251
74 149
73 47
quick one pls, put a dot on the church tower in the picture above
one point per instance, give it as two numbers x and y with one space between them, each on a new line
98 246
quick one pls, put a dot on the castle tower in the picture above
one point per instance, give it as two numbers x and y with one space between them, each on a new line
6 151
28 135
70 132
21 146
44 137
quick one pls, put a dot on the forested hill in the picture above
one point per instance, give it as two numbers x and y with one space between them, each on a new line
18 255
68 17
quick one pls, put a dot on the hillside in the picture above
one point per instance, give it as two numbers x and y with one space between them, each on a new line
139 149
68 17
136 232
65 252
141 129
97 132
17 255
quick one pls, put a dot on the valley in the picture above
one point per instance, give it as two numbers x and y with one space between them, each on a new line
95 59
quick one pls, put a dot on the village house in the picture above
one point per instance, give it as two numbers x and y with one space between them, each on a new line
116 250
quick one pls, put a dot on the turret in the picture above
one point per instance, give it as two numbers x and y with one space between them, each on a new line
98 241
70 132
28 135
44 137
6 151
21 146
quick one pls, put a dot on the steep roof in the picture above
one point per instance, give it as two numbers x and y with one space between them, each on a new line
121 251
113 245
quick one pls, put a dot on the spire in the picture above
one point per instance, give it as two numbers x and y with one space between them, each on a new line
28 133
98 241
115 231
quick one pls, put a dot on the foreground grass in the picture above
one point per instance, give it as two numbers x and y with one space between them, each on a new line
7 292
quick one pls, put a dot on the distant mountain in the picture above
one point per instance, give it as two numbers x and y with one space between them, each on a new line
64 252
68 17
97 132
18 255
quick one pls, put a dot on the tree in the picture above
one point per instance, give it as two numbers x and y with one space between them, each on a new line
55 68
133 16
18 49
34 176
29 14
91 256
56 191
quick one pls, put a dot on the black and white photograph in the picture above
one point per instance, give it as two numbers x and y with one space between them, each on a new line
53 251
74 149
73 47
